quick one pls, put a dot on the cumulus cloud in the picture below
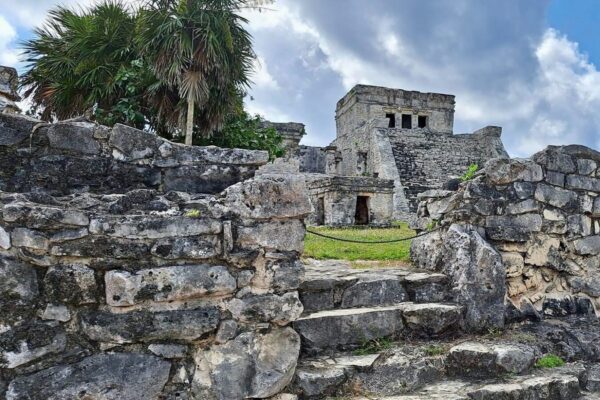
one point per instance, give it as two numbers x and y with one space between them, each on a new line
8 35
503 63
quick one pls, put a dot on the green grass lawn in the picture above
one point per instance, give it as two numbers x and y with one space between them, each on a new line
321 248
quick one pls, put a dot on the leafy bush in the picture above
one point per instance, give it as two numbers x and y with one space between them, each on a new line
244 131
550 361
467 176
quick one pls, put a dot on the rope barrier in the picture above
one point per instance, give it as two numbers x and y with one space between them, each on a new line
372 242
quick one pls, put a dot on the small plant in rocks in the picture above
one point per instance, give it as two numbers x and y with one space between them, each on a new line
470 173
373 346
550 361
434 350
193 213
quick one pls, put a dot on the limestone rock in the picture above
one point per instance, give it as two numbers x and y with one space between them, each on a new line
134 227
167 284
477 276
18 281
489 360
555 159
319 382
133 144
56 313
270 196
4 239
30 342
560 198
267 308
343 328
228 330
99 377
583 183
168 350
36 216
501 171
277 235
194 248
143 326
432 319
253 365
22 237
77 137
374 292
71 284
587 246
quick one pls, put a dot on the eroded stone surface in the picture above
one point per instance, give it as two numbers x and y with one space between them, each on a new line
250 366
167 284
110 379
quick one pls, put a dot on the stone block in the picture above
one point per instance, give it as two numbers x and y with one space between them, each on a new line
432 319
30 342
270 196
524 190
579 225
5 243
133 144
587 246
253 365
56 313
103 248
583 183
167 284
18 281
204 178
523 207
555 178
502 171
586 167
374 292
152 227
71 284
560 198
193 248
555 159
524 222
168 350
111 379
280 310
77 137
22 237
144 326
37 216
275 235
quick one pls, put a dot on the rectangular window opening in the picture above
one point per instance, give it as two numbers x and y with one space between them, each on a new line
392 120
406 121
422 121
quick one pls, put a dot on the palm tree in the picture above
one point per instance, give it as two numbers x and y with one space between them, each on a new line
74 59
201 48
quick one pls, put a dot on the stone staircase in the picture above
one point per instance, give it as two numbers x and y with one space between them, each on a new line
393 334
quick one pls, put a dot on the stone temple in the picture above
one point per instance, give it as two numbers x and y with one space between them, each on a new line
390 145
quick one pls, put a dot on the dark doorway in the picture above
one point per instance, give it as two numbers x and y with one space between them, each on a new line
406 121
392 120
422 121
320 211
361 217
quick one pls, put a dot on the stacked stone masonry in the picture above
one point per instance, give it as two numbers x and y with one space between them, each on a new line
127 273
540 215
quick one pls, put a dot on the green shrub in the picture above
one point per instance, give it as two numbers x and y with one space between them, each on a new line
193 213
467 176
550 361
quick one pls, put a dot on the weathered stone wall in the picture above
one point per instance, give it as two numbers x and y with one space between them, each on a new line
426 160
70 157
542 216
364 103
150 293
339 196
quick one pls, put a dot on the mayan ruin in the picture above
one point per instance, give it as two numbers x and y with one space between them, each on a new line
162 240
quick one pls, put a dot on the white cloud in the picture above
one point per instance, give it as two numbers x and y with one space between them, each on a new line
8 55
261 77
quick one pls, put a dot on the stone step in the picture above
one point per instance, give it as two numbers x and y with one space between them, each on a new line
409 368
334 284
347 328
542 385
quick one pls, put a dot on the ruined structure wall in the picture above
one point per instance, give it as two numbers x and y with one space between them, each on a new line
426 160
364 103
150 293
543 217
71 157
312 159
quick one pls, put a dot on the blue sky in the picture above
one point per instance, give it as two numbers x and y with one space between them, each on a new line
528 66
